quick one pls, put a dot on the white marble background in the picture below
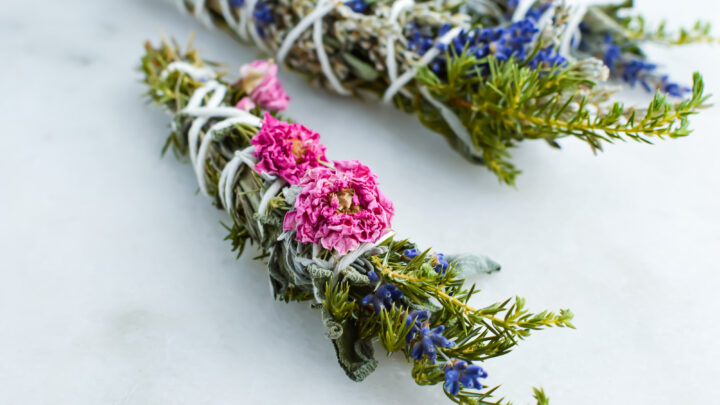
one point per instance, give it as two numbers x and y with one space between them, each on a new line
117 288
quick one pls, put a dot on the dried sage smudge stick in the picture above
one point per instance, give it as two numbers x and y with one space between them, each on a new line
323 229
486 74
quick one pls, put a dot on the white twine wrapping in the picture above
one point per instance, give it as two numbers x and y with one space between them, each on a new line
229 17
521 10
547 17
427 58
315 19
233 116
273 189
349 258
201 14
572 29
452 120
484 7
227 177
197 73
398 7
248 10
242 27
202 113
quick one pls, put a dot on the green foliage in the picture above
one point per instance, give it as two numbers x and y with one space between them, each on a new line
540 396
238 236
393 329
337 303
513 103
479 334
701 32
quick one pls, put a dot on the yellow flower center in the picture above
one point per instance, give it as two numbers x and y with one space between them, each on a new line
298 149
345 200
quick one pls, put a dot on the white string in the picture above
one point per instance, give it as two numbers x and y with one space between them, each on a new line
209 137
242 27
484 7
522 9
452 120
573 26
229 171
197 73
181 6
270 192
348 259
448 115
213 108
198 7
201 14
321 9
199 122
315 19
249 10
427 58
397 8
323 58
228 15
227 177
222 111
546 18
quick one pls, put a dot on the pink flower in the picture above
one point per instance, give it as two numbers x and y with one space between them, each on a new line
340 208
259 80
287 150
245 104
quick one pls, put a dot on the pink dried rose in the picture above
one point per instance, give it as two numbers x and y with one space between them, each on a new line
340 208
259 80
287 150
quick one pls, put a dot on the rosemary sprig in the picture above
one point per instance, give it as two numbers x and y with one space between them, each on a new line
515 103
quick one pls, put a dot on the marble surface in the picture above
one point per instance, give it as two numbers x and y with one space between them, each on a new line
117 288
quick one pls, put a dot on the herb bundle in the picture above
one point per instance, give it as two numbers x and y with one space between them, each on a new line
486 74
324 230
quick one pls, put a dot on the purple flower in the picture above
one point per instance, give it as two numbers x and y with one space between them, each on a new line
263 17
357 6
534 13
637 71
422 339
439 263
411 253
382 298
612 53
673 89
373 277
633 70
460 373
415 318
